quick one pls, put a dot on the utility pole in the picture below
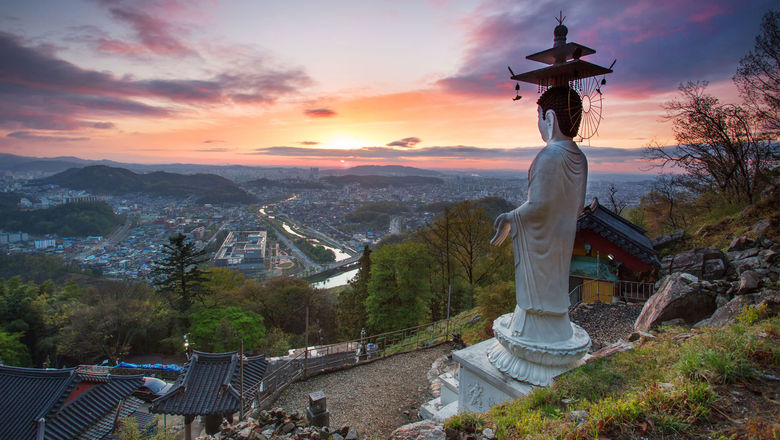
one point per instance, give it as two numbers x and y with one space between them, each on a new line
241 378
306 343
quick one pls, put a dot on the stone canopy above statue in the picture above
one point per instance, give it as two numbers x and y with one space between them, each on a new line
565 63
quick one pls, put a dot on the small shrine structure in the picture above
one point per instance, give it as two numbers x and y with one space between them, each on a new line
212 385
612 259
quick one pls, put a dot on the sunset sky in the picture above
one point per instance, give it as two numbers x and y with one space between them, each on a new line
343 83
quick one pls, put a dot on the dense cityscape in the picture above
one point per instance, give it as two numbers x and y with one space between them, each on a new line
319 212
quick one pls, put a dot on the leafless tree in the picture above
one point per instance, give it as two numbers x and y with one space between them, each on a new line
664 203
718 145
616 204
758 74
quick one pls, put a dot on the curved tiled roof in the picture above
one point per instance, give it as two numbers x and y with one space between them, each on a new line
210 384
618 230
37 399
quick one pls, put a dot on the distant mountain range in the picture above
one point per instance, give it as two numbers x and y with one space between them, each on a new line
382 181
101 179
382 170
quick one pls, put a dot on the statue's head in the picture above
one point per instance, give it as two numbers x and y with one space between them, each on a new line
566 105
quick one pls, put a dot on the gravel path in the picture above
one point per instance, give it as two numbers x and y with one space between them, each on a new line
606 323
374 398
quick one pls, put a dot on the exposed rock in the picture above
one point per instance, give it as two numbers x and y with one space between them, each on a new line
488 433
770 298
727 313
722 299
740 243
678 297
617 347
262 425
666 240
640 336
675 321
707 263
761 226
424 430
749 281
579 417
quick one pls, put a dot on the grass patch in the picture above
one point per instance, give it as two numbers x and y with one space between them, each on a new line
676 386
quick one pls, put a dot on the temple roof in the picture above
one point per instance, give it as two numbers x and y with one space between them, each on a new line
210 385
59 403
619 231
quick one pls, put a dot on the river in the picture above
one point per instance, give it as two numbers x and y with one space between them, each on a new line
336 280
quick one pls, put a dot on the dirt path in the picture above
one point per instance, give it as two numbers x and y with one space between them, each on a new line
374 398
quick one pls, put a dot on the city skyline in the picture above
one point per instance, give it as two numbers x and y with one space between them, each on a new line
342 84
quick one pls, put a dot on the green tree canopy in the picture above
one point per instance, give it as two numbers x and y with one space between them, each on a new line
111 321
399 288
352 309
220 329
13 351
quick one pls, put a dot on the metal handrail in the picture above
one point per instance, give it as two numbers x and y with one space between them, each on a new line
633 291
320 359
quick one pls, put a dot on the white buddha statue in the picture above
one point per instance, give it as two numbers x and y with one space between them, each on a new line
543 230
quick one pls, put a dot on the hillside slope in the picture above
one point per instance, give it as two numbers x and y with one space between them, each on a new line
101 179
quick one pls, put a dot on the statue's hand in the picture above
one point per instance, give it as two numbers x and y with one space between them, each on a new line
503 226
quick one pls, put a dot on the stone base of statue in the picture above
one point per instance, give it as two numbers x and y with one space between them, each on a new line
480 384
508 366
533 361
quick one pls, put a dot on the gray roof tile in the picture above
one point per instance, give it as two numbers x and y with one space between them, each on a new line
210 385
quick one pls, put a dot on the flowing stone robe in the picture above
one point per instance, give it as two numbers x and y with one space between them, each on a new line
543 230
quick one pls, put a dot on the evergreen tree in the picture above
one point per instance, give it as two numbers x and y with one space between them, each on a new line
352 310
399 289
178 272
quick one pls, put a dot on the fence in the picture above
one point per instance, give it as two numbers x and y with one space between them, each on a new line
629 291
312 361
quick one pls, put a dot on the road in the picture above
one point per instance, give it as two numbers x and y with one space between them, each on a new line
116 236
307 262
395 225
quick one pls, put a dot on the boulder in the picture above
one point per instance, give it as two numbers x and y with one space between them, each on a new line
740 243
666 240
707 263
610 350
679 297
749 281
761 226
727 313
424 430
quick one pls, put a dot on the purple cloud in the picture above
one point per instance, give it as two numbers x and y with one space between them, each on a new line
658 45
213 150
151 32
408 142
103 125
26 135
319 113
41 91
213 141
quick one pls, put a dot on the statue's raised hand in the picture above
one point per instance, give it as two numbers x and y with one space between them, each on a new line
503 226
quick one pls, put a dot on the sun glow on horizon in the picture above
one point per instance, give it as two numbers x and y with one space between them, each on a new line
342 142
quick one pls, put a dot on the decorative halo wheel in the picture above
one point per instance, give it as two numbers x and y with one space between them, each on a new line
590 93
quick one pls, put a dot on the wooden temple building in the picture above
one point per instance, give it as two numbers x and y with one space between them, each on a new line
63 404
213 386
613 259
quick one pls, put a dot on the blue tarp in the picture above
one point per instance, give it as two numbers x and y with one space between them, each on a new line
167 367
